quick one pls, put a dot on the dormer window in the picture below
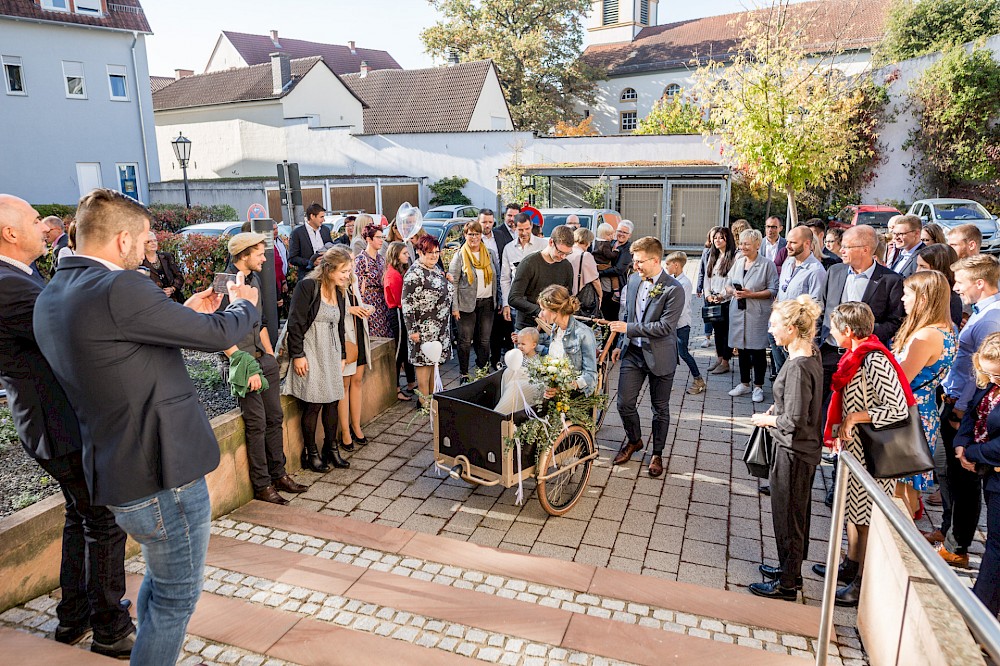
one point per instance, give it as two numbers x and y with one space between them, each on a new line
610 12
89 7
629 95
56 5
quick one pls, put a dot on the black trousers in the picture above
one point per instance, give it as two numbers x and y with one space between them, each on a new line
988 584
474 330
92 572
634 372
963 488
610 307
722 347
500 332
756 360
398 327
791 494
262 417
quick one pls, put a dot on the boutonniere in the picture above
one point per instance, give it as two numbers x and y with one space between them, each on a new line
656 290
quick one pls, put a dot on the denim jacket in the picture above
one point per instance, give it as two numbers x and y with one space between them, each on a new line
581 349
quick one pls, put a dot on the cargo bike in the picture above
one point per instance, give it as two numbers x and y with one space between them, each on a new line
470 441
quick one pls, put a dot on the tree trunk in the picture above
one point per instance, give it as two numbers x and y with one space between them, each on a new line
793 213
770 197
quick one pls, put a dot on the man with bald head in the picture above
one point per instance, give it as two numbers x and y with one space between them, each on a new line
92 572
573 221
801 273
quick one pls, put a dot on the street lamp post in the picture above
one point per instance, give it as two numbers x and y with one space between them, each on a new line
182 151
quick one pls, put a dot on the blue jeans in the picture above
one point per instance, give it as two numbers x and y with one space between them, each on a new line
172 527
683 335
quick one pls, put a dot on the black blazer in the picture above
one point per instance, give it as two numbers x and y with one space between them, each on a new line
302 313
42 414
300 249
503 237
884 295
985 455
61 242
113 339
172 274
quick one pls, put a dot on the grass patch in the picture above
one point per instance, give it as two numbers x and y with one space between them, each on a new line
8 433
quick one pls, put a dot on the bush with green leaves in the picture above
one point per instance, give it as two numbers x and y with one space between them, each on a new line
199 257
59 210
174 217
448 191
919 27
680 114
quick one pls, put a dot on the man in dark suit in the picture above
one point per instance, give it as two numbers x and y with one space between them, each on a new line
623 243
503 235
651 307
56 236
113 340
308 240
773 245
906 238
92 571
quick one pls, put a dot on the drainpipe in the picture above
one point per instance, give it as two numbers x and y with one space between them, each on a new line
142 118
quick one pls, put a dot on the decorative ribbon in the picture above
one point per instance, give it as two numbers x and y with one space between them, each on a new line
531 414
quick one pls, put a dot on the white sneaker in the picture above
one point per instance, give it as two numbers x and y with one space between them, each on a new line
741 389
706 343
758 394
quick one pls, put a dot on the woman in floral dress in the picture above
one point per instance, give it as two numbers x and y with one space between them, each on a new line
369 266
925 347
426 310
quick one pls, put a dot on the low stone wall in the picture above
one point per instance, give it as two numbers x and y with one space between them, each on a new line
30 540
904 617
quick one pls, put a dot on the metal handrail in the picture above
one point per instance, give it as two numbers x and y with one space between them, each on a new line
984 626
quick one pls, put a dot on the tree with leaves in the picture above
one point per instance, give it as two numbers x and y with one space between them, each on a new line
679 114
448 191
919 27
780 116
535 45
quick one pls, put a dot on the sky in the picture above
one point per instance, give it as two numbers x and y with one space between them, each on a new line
185 31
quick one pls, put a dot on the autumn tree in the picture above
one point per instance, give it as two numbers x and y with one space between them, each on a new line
919 27
677 114
535 45
583 128
781 114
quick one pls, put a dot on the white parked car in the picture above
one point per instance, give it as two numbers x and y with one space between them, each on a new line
950 213
451 213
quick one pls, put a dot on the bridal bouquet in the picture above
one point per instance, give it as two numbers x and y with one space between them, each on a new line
551 372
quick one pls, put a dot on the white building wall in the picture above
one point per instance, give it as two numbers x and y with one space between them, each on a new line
323 96
893 180
46 134
225 56
491 112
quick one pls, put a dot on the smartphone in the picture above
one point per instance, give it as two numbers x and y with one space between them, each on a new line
220 282
737 286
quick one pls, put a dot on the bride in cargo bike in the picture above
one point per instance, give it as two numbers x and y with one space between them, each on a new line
488 432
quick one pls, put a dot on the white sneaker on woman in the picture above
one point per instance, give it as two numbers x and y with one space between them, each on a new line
758 394
741 389
706 343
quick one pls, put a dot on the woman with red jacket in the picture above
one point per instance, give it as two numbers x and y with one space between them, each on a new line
397 263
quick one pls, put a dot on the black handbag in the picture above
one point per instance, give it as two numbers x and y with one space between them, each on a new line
896 450
590 304
713 313
759 453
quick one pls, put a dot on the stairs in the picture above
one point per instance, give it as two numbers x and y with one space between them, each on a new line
286 585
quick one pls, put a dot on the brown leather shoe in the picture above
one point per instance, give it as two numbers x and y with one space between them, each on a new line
289 485
625 453
269 494
954 559
933 537
656 466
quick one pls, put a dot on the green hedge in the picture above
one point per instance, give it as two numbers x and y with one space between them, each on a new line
174 217
59 210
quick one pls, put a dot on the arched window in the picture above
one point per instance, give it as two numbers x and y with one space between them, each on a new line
672 91
629 95
610 12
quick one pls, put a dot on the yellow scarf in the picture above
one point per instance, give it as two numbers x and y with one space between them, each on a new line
482 262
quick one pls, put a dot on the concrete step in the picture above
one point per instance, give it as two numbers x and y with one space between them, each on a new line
20 647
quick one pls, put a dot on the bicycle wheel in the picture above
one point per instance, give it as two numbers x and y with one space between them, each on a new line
558 494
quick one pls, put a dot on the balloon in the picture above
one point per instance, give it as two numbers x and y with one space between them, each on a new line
432 350
408 220
514 358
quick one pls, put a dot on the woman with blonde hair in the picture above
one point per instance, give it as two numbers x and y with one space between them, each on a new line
317 350
925 347
567 337
357 342
793 419
358 242
977 446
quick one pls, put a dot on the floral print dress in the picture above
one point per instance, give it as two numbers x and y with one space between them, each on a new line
427 310
370 273
925 386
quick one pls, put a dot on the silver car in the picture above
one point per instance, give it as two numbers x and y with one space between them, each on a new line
950 213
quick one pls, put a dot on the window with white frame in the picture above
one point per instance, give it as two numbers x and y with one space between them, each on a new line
76 85
13 75
629 121
629 95
117 83
56 5
88 7
672 91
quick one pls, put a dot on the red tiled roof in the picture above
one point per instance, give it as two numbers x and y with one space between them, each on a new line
853 24
122 14
160 82
256 50
240 84
438 99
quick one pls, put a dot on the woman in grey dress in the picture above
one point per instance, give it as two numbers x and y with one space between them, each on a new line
316 347
753 282
426 310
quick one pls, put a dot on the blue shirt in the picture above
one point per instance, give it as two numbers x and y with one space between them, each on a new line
808 278
961 380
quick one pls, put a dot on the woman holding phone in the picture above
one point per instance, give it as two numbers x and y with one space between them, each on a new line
753 283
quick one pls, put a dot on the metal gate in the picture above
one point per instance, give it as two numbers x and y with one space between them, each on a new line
694 208
642 203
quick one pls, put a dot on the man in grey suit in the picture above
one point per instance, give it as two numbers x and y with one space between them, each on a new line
906 238
113 340
651 307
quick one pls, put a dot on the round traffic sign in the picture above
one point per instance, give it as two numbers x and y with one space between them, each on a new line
534 215
256 212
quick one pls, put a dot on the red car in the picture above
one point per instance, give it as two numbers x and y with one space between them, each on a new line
870 214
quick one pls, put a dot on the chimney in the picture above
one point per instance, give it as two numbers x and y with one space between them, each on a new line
181 73
365 68
274 39
453 57
350 45
281 71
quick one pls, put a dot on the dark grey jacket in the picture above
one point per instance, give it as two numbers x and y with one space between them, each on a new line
658 328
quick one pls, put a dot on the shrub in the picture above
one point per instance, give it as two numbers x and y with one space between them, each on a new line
174 217
448 191
60 210
200 257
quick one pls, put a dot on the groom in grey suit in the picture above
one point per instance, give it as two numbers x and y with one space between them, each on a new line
650 310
